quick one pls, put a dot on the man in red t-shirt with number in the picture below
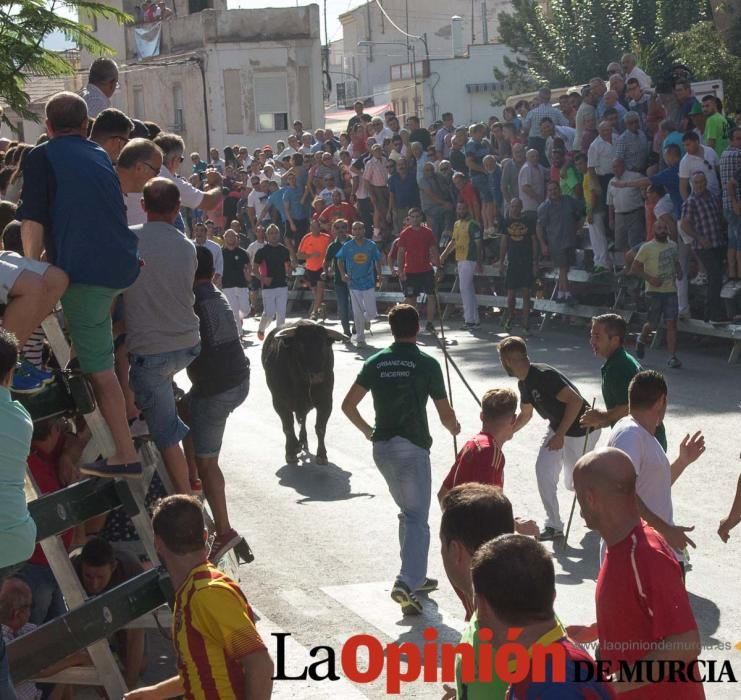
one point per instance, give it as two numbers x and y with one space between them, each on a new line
643 612
416 255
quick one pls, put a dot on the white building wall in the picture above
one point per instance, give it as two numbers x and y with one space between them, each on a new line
455 74
425 16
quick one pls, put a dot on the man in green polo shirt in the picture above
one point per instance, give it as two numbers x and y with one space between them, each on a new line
472 515
606 338
401 378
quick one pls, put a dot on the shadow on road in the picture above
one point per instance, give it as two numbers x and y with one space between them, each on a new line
318 482
431 618
707 615
580 563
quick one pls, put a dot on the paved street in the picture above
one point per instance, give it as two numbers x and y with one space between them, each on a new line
325 540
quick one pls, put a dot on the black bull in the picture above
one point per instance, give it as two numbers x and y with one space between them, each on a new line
299 369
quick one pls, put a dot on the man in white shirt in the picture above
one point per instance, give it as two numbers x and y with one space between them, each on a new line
626 213
635 435
631 70
102 82
257 200
139 161
380 131
173 148
600 157
698 158
200 234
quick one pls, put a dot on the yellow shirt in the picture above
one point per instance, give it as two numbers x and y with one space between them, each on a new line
465 234
213 630
660 260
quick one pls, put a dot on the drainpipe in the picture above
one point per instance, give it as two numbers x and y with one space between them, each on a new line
199 61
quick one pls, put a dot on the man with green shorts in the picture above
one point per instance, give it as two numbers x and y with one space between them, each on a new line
606 338
401 378
74 209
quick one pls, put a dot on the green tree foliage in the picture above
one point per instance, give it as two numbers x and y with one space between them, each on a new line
24 24
565 42
701 49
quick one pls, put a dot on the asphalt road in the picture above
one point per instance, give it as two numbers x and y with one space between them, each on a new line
325 542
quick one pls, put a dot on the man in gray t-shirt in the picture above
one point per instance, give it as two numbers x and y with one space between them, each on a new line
162 328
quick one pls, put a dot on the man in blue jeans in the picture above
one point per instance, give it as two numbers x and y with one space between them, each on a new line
341 290
162 329
401 378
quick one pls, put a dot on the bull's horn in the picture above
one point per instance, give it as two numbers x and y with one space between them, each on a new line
288 332
335 335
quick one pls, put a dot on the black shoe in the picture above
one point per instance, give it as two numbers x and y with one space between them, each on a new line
549 533
405 597
640 350
429 584
430 327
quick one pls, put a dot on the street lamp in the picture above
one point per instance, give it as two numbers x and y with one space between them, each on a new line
414 59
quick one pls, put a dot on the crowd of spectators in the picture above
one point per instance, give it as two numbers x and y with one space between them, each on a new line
158 255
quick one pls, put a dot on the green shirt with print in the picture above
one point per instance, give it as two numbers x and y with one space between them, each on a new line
617 372
495 689
716 127
401 378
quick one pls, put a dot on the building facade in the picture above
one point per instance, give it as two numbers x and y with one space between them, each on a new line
222 77
361 66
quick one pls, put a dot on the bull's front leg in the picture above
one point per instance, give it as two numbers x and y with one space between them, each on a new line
303 440
286 419
323 412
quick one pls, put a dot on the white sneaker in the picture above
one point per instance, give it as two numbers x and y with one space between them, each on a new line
700 279
138 428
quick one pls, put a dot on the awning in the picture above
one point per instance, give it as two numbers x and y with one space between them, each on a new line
337 121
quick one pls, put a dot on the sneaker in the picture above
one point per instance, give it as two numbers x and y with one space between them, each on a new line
700 279
429 584
196 487
599 270
550 533
405 597
361 344
138 427
26 383
674 362
100 467
260 335
640 350
222 544
570 301
430 327
508 324
314 316
44 376
468 326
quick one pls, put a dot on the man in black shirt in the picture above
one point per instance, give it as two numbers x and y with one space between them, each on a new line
557 400
234 281
417 133
220 381
274 262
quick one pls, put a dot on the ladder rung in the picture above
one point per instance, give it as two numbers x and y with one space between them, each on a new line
75 504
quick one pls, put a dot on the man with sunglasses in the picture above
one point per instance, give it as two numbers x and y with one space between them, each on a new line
173 148
102 82
111 131
698 158
140 160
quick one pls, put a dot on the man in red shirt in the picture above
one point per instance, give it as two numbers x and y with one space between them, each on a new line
416 255
481 459
337 210
514 583
643 612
